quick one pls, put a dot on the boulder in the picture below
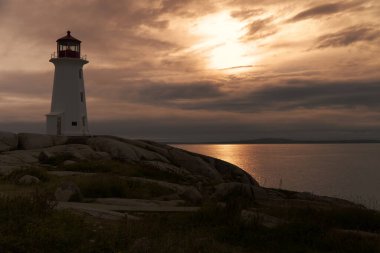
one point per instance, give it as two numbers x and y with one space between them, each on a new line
69 162
249 217
117 150
59 140
191 195
5 170
20 157
155 147
8 141
329 201
275 194
103 155
17 159
152 146
124 151
141 245
231 172
185 192
195 165
35 141
45 156
140 202
159 148
28 179
75 152
226 191
68 191
168 168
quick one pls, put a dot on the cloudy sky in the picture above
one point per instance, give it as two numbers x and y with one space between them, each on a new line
200 69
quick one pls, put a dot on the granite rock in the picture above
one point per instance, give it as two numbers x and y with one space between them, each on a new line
8 141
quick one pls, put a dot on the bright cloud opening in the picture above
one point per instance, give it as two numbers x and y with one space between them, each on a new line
220 41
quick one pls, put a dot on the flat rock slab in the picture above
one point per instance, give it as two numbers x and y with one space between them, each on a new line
139 202
8 141
61 173
124 208
98 213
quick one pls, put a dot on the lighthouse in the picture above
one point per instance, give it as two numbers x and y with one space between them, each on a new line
68 113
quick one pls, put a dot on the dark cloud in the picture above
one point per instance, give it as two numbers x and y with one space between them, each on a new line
247 4
22 126
165 94
244 14
130 84
187 8
210 96
270 111
148 79
259 29
206 95
294 95
223 128
323 10
193 130
348 36
314 94
3 5
104 28
35 84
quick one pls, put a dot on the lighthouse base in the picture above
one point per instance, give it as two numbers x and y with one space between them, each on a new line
54 123
55 126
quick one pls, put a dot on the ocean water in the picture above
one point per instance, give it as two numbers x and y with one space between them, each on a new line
350 171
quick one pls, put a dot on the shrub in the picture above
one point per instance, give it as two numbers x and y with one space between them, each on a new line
122 169
105 185
56 159
40 173
31 224
100 166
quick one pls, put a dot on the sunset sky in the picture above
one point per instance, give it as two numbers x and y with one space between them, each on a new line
195 70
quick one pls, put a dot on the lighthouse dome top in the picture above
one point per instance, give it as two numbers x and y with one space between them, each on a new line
68 38
68 47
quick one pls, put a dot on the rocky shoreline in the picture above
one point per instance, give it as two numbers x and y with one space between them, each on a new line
143 196
199 178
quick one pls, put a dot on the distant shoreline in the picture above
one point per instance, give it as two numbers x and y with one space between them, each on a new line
281 141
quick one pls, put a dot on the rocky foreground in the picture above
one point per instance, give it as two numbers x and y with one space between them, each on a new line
188 177
114 178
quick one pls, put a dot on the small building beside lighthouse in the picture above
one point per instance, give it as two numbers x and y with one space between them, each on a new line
68 113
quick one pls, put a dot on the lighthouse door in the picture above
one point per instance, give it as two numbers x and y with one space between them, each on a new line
59 125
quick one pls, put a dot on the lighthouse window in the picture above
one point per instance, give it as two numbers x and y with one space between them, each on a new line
74 123
80 74
81 97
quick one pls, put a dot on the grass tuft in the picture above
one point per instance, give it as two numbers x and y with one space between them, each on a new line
15 175
31 224
122 169
107 186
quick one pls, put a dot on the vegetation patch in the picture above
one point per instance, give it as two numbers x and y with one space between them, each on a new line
31 224
221 229
344 218
40 173
56 159
122 169
106 186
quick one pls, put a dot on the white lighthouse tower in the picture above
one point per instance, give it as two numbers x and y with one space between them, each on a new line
68 114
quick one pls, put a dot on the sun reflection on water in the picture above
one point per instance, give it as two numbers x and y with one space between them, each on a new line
232 153
347 171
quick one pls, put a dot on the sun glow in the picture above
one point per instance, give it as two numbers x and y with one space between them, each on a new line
220 39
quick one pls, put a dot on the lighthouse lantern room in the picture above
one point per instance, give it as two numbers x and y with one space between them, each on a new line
68 113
